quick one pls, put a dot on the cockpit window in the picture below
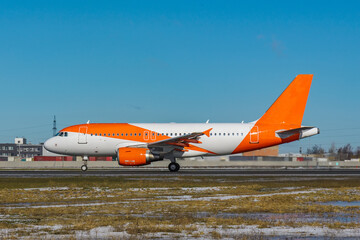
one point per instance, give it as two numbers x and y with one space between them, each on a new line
66 134
61 134
57 134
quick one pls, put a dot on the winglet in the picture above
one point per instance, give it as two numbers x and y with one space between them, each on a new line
207 132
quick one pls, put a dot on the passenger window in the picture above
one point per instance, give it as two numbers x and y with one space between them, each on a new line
214 134
170 134
130 134
122 134
175 134
118 134
134 134
241 134
126 134
113 134
95 134
139 134
100 134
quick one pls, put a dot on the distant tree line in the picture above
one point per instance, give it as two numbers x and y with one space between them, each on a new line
343 153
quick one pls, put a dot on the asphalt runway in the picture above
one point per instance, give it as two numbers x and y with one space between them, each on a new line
183 172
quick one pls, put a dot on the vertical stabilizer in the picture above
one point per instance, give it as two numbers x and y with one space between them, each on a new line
289 108
281 123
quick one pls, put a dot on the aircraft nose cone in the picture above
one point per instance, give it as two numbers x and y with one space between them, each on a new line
48 144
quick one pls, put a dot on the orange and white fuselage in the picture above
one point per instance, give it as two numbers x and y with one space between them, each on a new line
142 143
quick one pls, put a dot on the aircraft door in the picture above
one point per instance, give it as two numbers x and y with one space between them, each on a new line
146 135
82 136
254 135
153 136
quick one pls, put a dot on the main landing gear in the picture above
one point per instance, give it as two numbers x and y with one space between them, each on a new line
84 166
174 167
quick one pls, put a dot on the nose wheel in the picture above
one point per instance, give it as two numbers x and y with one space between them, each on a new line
84 168
174 167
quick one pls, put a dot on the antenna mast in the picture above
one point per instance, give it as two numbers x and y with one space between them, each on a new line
54 126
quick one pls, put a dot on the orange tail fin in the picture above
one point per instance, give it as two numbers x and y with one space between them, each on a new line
289 108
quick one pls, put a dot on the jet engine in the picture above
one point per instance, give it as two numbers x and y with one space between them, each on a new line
130 156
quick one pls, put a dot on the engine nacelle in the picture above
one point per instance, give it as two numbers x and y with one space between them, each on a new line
129 156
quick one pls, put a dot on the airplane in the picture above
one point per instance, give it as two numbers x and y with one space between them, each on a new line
136 144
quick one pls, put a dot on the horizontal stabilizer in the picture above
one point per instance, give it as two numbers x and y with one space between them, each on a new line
303 131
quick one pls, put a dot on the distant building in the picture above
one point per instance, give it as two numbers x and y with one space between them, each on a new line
20 148
270 151
20 140
8 149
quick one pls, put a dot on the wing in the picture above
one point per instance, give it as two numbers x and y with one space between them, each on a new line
181 141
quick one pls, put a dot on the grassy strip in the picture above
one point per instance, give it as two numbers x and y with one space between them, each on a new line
141 207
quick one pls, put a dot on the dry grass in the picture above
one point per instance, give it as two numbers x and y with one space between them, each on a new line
147 207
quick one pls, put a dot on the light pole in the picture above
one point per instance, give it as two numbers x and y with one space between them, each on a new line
19 149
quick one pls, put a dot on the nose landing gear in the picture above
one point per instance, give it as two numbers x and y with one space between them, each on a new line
84 166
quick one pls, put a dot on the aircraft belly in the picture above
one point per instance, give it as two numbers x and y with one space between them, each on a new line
221 145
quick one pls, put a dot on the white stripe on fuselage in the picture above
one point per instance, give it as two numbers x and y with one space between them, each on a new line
224 138
218 143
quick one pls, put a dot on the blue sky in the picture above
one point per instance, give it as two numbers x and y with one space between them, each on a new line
177 61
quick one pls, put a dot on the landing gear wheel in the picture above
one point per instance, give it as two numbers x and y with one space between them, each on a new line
84 168
174 167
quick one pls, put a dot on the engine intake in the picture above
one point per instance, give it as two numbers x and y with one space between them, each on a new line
129 156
